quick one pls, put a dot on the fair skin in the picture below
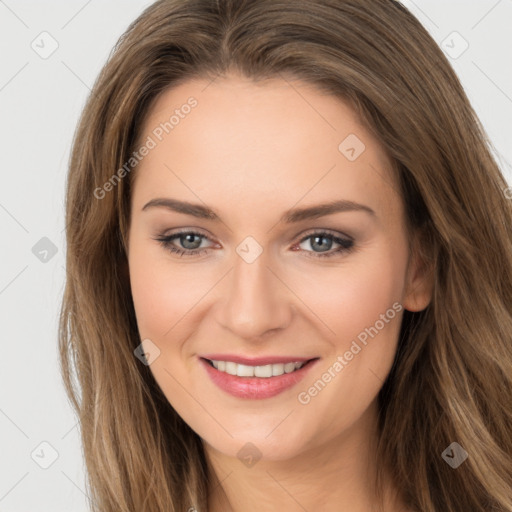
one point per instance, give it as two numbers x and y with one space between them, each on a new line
251 151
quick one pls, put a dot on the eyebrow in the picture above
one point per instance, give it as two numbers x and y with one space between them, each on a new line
290 216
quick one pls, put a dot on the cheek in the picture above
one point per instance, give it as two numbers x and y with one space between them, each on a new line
148 292
360 303
362 309
350 297
162 290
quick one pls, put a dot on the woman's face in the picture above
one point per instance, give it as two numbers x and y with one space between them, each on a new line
269 277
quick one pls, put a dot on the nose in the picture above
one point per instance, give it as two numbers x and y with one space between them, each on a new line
258 301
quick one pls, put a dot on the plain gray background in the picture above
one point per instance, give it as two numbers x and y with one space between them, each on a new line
41 97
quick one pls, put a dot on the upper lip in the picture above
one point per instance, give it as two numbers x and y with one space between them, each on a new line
256 361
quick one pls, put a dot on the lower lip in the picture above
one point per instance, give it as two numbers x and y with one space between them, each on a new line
256 388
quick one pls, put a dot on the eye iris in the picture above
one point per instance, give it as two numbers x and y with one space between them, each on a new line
322 247
184 240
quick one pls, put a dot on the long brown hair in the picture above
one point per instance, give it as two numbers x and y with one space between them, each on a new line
452 376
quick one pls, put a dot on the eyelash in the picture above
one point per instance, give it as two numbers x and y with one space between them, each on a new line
346 245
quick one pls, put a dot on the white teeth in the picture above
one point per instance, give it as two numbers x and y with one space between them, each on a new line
244 371
266 371
289 367
263 371
230 368
277 369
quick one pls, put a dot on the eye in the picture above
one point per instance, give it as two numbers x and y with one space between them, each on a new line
323 241
189 241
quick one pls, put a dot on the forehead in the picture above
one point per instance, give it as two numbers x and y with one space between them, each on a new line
274 141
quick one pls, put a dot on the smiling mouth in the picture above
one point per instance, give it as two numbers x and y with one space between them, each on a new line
263 371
